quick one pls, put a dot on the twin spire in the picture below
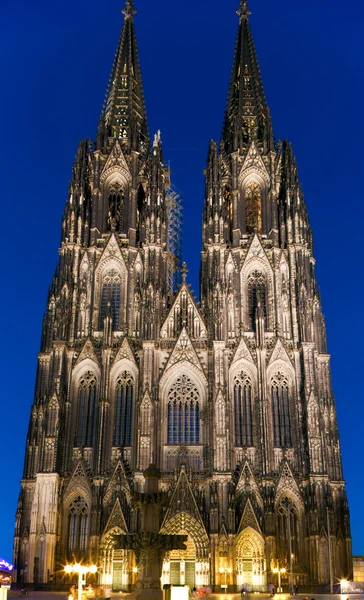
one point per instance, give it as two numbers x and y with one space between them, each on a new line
247 114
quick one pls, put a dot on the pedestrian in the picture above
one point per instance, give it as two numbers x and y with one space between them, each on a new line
72 593
296 589
194 594
107 592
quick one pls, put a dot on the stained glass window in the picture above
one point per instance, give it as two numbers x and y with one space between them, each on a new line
111 292
124 399
87 411
280 409
243 411
183 412
253 203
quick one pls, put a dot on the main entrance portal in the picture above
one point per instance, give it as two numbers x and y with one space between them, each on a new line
179 567
250 560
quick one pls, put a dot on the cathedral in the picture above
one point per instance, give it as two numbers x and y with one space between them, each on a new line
230 397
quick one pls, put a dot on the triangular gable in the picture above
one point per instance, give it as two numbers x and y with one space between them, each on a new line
118 479
249 519
242 353
247 481
279 353
256 250
223 534
183 500
287 480
111 253
116 518
116 163
79 482
191 306
125 352
254 164
88 352
184 352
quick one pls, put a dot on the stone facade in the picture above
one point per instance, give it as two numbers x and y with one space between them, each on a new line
231 398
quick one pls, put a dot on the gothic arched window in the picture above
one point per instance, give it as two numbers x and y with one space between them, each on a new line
183 412
253 203
87 411
124 400
116 210
257 297
288 530
78 525
243 410
52 418
110 298
280 410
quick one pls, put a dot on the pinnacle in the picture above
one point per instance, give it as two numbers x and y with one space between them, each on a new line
129 9
243 11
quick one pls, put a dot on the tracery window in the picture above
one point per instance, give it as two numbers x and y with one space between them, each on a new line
257 297
110 298
253 203
116 209
280 409
78 525
52 418
183 412
87 411
288 530
124 400
243 411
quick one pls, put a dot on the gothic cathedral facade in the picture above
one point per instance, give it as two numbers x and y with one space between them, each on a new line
231 397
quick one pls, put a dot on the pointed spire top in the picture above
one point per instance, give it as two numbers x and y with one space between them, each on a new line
129 9
184 272
243 10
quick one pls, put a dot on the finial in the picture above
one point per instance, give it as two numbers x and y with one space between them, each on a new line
243 11
184 272
129 9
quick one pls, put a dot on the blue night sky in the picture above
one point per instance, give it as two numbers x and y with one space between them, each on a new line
56 59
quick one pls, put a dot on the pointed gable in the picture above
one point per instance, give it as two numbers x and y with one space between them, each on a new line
119 481
255 251
242 353
111 256
87 353
125 352
183 500
247 483
116 163
254 165
249 519
79 483
184 352
287 481
279 354
184 303
116 518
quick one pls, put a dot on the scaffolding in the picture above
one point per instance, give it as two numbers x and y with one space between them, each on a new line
174 202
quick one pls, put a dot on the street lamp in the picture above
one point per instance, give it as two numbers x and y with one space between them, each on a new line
279 571
343 586
225 570
81 570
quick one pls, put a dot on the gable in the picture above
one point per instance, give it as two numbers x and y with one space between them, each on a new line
183 500
254 165
184 352
87 353
249 519
125 352
184 303
116 164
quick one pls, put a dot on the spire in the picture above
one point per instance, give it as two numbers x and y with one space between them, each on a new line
124 115
247 115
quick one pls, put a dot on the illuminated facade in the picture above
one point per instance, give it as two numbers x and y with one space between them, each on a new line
231 398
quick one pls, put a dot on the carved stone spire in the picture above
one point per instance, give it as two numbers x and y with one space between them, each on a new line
247 114
124 115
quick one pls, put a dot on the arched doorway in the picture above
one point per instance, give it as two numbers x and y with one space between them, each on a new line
250 560
190 566
117 565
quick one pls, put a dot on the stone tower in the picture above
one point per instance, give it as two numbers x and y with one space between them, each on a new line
231 398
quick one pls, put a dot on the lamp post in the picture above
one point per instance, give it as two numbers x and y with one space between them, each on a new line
279 571
225 570
81 570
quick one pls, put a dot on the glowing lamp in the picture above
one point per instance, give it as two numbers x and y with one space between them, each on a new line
68 569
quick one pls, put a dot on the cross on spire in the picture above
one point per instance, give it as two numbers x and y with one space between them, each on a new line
243 11
129 9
